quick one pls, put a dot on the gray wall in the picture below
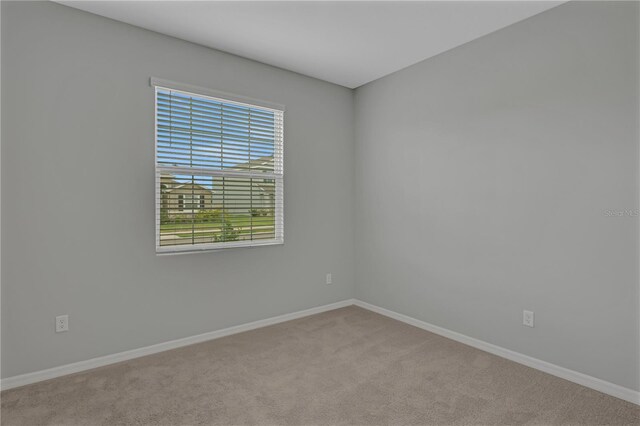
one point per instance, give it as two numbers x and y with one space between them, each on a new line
78 193
483 178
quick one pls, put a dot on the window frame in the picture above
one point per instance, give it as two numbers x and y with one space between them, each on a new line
277 175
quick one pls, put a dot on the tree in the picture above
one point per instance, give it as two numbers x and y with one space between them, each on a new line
228 232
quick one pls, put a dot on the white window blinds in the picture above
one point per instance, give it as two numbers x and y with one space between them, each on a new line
219 170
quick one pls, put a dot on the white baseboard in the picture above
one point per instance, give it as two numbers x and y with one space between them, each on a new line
76 367
564 373
555 370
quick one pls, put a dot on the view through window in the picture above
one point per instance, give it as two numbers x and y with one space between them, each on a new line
219 172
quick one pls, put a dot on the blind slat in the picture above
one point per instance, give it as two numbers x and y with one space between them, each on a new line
231 143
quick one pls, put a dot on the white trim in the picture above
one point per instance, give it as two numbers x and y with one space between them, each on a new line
217 95
156 179
600 385
76 367
198 248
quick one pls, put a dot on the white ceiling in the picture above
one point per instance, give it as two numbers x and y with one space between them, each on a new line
347 43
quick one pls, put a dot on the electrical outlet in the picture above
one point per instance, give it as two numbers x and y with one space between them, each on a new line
527 318
329 280
62 323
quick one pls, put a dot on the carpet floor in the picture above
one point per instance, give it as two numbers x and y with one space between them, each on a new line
348 366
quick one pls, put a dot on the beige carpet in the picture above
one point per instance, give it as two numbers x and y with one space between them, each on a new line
348 366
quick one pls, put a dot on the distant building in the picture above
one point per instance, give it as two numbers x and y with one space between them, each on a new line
234 194
185 198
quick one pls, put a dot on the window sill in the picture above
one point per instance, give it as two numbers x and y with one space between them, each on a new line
172 250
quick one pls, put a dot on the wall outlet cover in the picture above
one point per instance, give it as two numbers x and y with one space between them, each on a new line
528 318
62 323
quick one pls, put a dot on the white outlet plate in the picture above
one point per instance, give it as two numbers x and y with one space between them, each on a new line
528 318
329 279
62 323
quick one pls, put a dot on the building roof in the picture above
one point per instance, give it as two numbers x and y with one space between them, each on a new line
192 185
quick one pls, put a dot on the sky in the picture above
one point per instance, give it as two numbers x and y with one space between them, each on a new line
208 134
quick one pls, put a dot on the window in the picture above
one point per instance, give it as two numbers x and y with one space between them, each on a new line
190 201
219 170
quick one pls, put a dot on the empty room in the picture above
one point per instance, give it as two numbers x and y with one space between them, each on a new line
320 213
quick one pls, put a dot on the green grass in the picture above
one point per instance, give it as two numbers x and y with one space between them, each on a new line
208 234
237 221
